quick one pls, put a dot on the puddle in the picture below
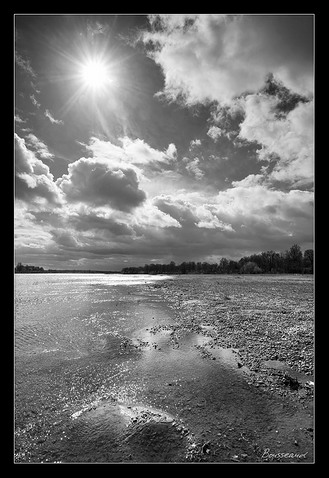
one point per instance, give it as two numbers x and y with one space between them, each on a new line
182 352
283 367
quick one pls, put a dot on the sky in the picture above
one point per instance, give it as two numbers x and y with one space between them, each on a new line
158 138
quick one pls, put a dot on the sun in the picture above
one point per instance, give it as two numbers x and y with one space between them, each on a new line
95 75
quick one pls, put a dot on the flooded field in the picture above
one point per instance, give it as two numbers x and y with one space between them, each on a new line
163 369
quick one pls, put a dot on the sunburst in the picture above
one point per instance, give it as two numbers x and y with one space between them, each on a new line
95 75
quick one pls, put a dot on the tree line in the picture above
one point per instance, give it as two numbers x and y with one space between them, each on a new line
292 261
27 268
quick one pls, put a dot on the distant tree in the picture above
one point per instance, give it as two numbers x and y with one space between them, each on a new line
294 259
182 267
233 267
270 262
191 267
308 261
172 267
223 266
250 268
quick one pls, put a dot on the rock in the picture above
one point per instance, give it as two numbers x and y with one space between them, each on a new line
291 381
205 448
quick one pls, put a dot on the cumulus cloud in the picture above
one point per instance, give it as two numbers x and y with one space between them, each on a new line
150 216
65 238
256 70
101 221
248 217
190 214
214 132
289 138
195 142
171 151
179 209
94 181
267 212
38 146
33 178
193 167
212 57
135 152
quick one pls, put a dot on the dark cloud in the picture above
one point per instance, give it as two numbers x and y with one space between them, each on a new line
93 182
178 209
87 222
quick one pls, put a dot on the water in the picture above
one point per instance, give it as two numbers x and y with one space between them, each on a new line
89 357
73 349
69 313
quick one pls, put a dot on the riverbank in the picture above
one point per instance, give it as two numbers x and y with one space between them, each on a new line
205 369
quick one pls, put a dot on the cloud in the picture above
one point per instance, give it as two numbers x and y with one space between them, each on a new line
249 181
52 119
212 57
39 147
25 65
266 211
190 214
248 217
288 139
104 222
214 132
193 167
135 152
195 142
64 238
34 101
171 151
33 179
257 73
18 119
139 152
95 182
177 208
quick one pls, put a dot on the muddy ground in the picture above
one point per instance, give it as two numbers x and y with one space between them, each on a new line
220 369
